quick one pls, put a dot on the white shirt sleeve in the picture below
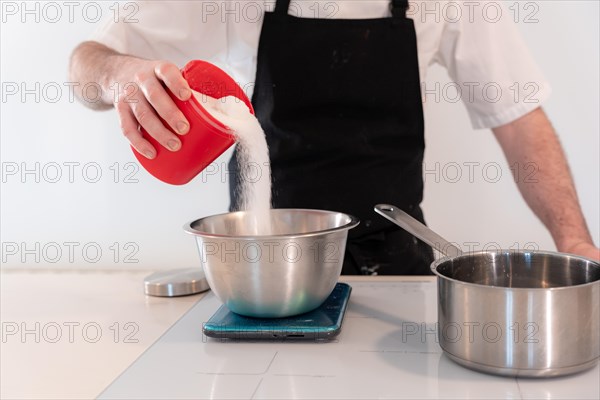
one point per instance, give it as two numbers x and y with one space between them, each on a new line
174 31
488 60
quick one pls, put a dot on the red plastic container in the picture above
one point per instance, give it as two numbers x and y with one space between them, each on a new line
207 138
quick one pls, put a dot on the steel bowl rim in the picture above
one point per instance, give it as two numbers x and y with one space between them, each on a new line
436 263
351 224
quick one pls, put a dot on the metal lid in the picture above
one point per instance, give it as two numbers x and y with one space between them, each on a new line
177 282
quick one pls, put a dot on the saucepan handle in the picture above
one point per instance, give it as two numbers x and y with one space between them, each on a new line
417 229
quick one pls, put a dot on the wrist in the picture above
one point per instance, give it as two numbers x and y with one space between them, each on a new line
115 77
570 232
584 249
572 245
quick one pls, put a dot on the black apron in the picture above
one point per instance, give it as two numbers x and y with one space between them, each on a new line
340 103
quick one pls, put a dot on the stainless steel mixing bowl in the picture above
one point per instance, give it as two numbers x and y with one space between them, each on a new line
289 272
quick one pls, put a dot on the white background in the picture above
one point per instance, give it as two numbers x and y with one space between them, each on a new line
65 223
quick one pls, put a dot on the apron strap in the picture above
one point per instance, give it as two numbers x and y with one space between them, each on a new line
281 7
398 7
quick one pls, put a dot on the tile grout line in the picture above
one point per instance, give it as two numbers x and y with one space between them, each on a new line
256 389
519 387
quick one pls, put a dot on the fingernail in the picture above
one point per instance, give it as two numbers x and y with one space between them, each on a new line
182 127
184 94
149 154
173 144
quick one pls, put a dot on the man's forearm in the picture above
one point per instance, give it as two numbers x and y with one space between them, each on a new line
93 66
532 141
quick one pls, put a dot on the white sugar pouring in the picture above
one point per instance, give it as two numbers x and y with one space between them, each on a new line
254 171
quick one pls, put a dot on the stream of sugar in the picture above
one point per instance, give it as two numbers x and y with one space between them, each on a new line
254 188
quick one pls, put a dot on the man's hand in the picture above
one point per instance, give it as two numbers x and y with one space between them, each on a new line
142 99
531 140
136 88
583 249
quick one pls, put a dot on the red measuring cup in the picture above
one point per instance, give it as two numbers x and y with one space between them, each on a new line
207 138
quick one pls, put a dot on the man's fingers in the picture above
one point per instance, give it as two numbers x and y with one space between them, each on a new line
164 106
147 118
144 101
171 76
129 127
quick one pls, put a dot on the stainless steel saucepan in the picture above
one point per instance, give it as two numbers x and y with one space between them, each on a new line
513 312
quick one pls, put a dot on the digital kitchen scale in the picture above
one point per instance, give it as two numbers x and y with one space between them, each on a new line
323 323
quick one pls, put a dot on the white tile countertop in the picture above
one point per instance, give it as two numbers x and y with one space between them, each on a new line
68 334
374 357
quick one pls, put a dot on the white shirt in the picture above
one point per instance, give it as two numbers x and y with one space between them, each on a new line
476 41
